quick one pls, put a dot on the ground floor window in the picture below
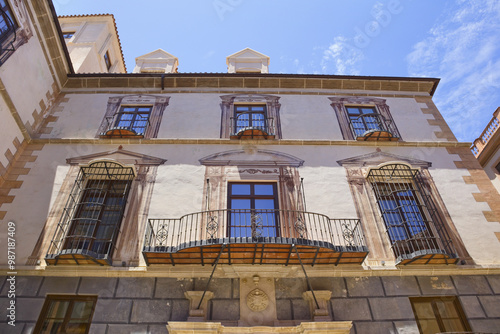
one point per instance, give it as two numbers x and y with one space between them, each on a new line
66 314
439 315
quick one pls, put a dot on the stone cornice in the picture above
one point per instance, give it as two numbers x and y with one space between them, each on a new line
281 142
236 271
234 81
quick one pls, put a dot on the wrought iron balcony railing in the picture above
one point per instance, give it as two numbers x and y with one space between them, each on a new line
246 126
373 127
125 128
254 236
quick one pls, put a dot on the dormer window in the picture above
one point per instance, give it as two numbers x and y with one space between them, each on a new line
247 61
68 34
107 60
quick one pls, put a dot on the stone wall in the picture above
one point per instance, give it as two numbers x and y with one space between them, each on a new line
146 304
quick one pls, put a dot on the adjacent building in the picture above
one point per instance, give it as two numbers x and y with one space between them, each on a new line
238 202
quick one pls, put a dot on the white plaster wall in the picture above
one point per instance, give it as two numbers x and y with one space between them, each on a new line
308 117
27 78
467 215
81 117
191 116
178 191
8 130
198 115
411 121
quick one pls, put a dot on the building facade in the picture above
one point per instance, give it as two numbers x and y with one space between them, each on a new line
239 202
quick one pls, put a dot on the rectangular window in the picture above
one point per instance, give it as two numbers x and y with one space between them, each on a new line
253 210
7 22
363 119
413 224
249 116
66 314
98 216
497 167
88 229
68 35
107 60
134 119
439 315
402 211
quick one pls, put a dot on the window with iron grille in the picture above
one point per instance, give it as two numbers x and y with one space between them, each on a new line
90 224
412 221
8 24
250 116
66 314
364 118
133 116
439 315
253 210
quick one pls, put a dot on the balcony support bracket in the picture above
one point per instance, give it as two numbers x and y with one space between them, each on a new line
307 278
212 274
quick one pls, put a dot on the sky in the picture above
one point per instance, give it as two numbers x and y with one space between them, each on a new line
457 41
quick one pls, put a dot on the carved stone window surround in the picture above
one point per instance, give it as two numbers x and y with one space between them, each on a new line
158 103
339 104
227 108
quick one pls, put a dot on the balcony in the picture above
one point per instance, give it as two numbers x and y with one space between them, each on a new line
254 237
373 127
133 126
252 126
488 141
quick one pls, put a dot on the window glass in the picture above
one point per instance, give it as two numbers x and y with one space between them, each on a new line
439 315
66 314
7 22
252 210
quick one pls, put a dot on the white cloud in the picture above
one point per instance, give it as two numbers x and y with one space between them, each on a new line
343 57
463 49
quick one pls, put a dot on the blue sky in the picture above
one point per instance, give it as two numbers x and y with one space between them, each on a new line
457 41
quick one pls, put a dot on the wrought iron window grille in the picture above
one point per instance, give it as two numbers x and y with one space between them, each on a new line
368 125
7 30
251 122
90 223
129 122
413 224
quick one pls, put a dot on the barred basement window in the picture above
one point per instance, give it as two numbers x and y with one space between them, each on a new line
439 315
66 314
415 229
89 227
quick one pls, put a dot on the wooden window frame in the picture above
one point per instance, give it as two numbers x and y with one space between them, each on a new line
432 301
72 299
229 102
340 104
252 197
158 105
107 60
